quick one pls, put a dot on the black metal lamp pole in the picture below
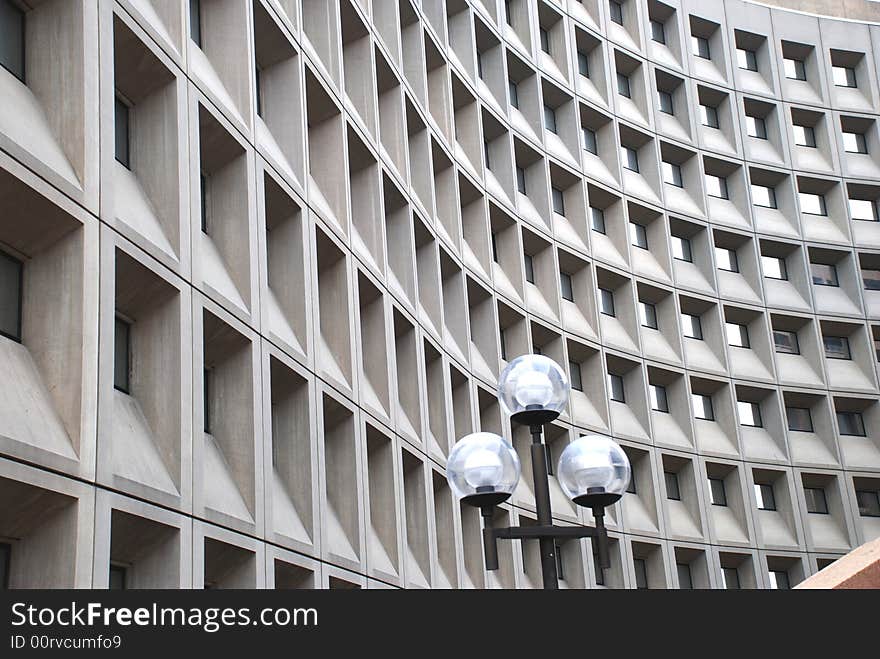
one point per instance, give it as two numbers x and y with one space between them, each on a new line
545 532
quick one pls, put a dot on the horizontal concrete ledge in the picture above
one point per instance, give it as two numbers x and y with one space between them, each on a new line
858 569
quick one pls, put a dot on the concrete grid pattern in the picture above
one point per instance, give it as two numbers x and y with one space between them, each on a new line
275 255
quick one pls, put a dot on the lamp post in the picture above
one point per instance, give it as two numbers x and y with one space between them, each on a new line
483 468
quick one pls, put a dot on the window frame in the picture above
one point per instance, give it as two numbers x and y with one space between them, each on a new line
707 409
761 491
17 296
606 300
122 324
754 412
717 492
825 281
648 315
793 412
616 388
856 416
833 354
788 350
751 58
815 497
566 286
691 323
656 392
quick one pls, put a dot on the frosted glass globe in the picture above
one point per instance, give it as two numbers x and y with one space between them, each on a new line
594 471
482 469
533 384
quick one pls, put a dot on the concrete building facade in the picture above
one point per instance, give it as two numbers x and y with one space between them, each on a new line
262 262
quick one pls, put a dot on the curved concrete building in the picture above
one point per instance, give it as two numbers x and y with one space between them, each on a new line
261 264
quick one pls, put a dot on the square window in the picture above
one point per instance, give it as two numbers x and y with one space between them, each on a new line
648 315
756 127
779 580
121 355
258 88
658 32
521 180
854 142
816 502
597 219
709 116
869 503
549 119
5 555
630 158
672 174
513 91
730 577
623 87
737 335
836 347
606 302
774 267
871 279
786 342
703 407
799 419
763 196
681 249
659 402
574 370
749 414
121 126
615 10
804 135
545 41
700 47
726 259
684 576
590 141
641 570
615 386
566 286
631 485
638 235
117 578
195 21
764 496
716 186
207 375
718 494
672 489
746 59
851 423
812 204
794 69
12 39
530 268
583 64
558 201
691 326
864 209
203 192
843 76
824 274
666 104
11 271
